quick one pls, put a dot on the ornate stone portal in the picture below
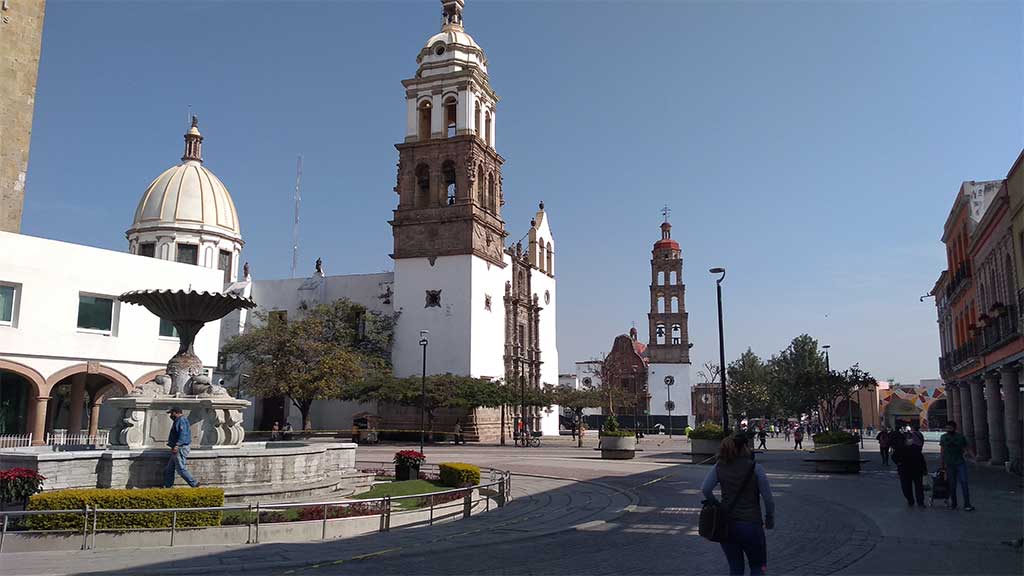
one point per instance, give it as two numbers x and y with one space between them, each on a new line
215 417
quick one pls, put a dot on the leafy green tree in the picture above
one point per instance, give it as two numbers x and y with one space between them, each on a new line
577 400
316 356
835 388
793 375
748 386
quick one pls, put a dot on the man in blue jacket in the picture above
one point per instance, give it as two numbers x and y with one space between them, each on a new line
179 439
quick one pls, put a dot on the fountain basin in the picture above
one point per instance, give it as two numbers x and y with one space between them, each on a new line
143 421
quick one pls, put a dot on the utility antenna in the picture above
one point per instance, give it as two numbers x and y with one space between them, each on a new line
295 223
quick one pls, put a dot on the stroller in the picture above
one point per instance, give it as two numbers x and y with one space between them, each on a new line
940 487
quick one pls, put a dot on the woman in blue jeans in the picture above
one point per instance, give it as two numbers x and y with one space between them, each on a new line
743 486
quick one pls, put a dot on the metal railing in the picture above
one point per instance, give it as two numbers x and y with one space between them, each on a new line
64 438
499 483
15 440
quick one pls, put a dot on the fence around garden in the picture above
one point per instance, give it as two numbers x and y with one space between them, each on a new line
319 520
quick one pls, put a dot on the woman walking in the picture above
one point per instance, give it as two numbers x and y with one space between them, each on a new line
743 486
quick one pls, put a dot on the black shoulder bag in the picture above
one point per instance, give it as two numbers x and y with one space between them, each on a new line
714 518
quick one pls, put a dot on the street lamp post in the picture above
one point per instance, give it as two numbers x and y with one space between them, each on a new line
721 347
669 381
423 388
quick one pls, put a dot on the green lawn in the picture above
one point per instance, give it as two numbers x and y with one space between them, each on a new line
403 488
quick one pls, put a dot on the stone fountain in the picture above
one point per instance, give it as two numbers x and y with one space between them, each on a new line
215 417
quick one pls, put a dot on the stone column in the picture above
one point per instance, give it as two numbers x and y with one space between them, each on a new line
77 402
1011 414
94 418
39 422
980 419
953 402
996 430
966 413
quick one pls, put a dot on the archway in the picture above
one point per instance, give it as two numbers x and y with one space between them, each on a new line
76 399
938 415
17 396
900 412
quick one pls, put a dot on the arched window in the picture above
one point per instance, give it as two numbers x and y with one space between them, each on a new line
1011 298
491 203
540 254
424 126
448 171
676 334
487 128
451 109
550 257
675 304
659 332
661 303
481 185
422 186
477 125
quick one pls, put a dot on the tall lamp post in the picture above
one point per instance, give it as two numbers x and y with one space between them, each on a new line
721 348
423 388
669 405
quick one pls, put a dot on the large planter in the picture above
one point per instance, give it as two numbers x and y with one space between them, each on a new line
837 458
618 447
406 472
704 451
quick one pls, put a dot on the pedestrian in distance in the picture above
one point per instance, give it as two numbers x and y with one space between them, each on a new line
761 437
786 432
286 432
744 485
458 433
952 446
179 439
911 466
883 445
798 439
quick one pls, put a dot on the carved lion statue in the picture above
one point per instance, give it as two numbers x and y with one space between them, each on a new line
158 386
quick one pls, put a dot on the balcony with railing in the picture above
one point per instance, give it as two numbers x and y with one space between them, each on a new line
957 280
958 358
1000 327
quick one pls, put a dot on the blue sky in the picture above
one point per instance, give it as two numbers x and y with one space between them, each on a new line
812 149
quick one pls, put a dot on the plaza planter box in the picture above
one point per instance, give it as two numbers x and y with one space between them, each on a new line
618 447
406 472
842 458
704 451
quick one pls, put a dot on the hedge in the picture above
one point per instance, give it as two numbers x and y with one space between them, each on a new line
708 432
124 499
835 437
459 475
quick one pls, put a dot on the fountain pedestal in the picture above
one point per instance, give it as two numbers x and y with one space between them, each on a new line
216 421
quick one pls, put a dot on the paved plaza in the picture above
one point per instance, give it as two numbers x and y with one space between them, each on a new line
576 514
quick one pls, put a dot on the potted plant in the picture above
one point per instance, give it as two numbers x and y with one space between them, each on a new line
407 464
836 451
617 444
704 442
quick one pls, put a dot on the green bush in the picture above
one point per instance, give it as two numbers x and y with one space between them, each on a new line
617 433
835 437
125 499
708 432
459 475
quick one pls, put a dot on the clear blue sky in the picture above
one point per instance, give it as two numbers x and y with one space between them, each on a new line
813 149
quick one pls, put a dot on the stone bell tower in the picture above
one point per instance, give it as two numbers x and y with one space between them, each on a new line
449 236
668 349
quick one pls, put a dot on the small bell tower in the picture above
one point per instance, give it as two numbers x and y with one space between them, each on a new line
669 341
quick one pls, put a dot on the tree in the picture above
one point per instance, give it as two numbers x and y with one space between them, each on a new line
835 388
793 374
439 391
315 357
748 386
710 373
577 400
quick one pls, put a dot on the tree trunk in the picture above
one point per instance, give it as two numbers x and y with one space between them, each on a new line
579 429
304 408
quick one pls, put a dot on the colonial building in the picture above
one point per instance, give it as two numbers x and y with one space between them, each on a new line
978 304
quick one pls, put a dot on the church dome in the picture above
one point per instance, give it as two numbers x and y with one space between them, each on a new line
188 196
451 49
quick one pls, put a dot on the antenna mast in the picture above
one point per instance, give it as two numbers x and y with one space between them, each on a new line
295 223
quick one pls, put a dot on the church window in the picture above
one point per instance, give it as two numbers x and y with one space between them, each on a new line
424 127
422 186
661 303
147 249
659 333
448 171
439 50
673 277
675 304
450 114
540 254
477 126
481 185
487 128
491 202
187 254
95 313
224 264
676 333
550 259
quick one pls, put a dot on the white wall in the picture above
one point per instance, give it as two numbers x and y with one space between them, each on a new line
53 273
544 287
681 391
487 344
449 326
364 289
